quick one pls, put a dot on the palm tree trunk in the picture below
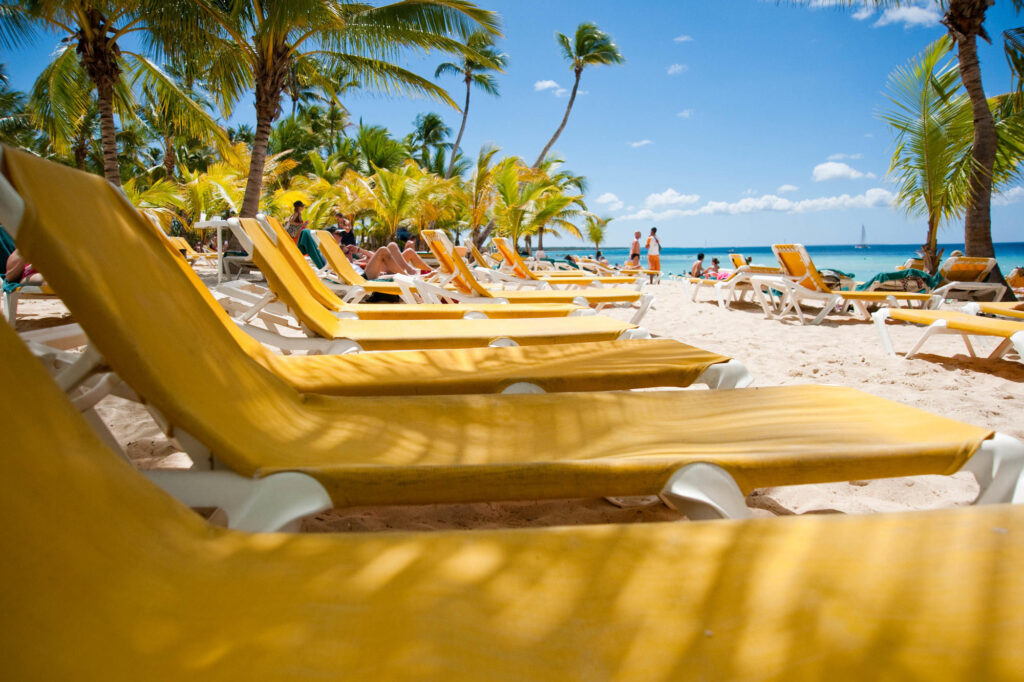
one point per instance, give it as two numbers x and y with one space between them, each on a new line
266 110
978 223
462 128
565 119
170 158
928 254
108 134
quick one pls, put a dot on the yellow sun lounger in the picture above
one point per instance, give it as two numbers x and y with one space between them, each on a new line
603 365
1012 309
519 268
328 333
953 322
803 282
733 287
230 412
107 578
967 275
190 254
336 260
466 281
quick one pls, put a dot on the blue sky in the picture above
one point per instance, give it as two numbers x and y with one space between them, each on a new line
731 123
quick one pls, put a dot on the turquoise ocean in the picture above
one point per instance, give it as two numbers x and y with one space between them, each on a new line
863 263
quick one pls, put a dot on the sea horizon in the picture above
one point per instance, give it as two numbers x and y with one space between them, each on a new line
850 258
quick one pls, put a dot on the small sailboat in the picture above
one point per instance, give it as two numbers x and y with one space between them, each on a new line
863 239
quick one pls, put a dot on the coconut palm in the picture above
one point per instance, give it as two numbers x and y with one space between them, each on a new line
565 181
429 134
595 228
256 45
95 29
478 195
473 73
395 199
932 121
590 47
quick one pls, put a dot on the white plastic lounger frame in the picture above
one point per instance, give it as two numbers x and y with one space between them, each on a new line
940 326
975 288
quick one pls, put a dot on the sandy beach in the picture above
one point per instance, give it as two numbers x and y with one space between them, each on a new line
842 351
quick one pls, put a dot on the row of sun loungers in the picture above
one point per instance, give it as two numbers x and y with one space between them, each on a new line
134 586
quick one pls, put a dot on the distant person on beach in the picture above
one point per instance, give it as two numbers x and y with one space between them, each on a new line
384 261
295 224
653 253
343 231
634 250
712 272
599 257
697 269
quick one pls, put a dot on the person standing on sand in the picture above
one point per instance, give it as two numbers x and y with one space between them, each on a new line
653 253
697 269
634 250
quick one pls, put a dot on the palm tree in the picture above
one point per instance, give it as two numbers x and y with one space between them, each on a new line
591 46
429 132
933 132
396 199
472 72
257 45
478 195
965 20
565 181
95 28
595 228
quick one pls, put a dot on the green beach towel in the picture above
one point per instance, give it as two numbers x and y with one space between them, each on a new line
307 246
903 280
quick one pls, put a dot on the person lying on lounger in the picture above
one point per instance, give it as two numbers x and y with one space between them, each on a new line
386 260
19 271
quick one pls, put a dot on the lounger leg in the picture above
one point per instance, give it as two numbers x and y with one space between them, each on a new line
642 306
523 387
705 491
967 342
1001 349
731 374
255 505
502 342
638 333
11 306
1018 343
935 327
998 466
879 317
830 304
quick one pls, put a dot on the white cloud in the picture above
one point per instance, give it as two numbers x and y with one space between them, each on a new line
677 69
641 143
1009 196
873 198
863 13
682 39
685 113
609 199
910 16
670 197
787 188
834 170
555 88
841 156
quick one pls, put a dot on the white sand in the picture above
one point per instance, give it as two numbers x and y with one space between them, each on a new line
842 351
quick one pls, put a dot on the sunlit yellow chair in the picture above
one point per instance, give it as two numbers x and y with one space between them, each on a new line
1011 309
336 260
803 282
191 255
953 322
963 274
603 365
520 269
464 280
231 412
107 578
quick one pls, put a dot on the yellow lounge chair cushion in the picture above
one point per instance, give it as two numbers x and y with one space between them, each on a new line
288 285
970 324
1005 309
107 578
604 366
